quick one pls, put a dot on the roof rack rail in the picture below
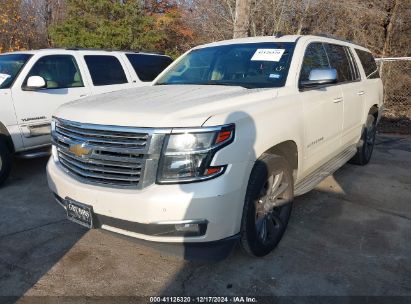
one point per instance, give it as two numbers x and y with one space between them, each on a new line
50 48
114 50
336 38
149 52
88 49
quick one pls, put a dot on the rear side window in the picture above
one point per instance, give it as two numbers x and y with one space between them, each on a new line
340 61
148 67
368 63
315 57
105 70
354 67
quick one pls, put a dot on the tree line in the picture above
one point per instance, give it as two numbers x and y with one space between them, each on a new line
173 26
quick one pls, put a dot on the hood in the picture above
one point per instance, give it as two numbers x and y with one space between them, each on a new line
156 106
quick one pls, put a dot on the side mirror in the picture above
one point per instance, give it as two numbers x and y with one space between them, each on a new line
320 77
36 82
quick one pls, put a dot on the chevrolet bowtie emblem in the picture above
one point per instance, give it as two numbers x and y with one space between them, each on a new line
79 150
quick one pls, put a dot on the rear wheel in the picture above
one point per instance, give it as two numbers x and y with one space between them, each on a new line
364 152
5 162
267 206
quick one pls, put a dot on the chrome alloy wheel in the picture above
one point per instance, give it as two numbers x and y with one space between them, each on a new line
270 220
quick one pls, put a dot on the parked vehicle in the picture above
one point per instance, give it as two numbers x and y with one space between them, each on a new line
216 149
34 83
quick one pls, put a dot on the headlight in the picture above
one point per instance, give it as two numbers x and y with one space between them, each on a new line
187 154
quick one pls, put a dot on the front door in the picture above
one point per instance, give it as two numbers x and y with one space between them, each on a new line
64 83
323 111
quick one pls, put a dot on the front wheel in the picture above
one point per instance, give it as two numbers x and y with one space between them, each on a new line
364 152
5 162
267 206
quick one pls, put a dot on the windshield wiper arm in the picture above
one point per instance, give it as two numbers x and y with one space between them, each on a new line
222 83
225 83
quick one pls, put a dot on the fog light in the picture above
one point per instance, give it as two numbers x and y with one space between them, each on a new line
188 229
195 228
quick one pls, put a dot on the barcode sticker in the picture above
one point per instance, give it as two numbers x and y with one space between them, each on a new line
268 55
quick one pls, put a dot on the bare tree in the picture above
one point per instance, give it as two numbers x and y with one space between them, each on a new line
242 18
300 26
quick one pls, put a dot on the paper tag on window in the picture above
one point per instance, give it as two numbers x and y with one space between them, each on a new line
3 77
268 55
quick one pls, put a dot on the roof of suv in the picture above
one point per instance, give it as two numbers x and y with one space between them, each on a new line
285 38
89 51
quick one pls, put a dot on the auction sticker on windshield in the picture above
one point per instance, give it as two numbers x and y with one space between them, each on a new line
3 77
268 55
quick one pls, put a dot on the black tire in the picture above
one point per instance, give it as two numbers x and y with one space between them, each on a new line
5 162
364 152
259 210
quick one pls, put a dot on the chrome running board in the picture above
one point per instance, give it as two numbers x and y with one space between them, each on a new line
313 179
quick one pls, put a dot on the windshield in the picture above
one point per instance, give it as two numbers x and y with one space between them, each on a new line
251 65
10 67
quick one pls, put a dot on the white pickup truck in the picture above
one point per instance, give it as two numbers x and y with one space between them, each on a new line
216 149
33 84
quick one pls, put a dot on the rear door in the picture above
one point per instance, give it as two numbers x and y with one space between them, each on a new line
323 111
107 73
371 81
34 109
350 82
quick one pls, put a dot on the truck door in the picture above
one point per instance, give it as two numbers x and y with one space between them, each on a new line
353 91
34 108
323 111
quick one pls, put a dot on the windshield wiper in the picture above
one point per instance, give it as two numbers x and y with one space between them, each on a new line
222 83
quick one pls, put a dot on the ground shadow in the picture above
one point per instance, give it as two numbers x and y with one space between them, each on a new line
34 233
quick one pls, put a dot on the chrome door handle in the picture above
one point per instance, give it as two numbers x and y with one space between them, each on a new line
338 100
360 93
83 95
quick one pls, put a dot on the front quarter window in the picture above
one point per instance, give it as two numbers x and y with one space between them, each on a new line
251 65
10 67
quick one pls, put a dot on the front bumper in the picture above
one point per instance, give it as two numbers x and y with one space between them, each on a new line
142 213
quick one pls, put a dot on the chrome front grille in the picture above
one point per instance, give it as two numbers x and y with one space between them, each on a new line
103 155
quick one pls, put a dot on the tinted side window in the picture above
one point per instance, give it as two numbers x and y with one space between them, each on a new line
368 63
59 72
354 67
315 57
339 61
105 70
148 67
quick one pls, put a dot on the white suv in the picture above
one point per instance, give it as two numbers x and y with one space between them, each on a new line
216 149
33 84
